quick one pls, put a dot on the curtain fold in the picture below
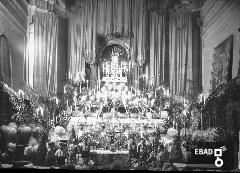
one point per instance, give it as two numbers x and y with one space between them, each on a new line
5 61
180 51
157 42
41 57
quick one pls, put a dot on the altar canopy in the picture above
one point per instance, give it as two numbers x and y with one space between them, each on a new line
106 17
160 47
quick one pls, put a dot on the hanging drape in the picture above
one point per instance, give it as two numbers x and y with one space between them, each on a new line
41 57
180 50
105 17
5 61
157 42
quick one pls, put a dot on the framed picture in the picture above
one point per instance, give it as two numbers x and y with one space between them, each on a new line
222 63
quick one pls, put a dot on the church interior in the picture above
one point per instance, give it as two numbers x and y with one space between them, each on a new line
120 84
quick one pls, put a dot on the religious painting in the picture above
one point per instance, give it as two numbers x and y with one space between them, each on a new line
222 64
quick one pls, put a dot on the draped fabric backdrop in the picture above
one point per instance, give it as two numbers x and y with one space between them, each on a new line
180 51
5 61
157 42
106 17
41 57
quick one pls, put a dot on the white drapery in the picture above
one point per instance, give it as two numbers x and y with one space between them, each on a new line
157 42
180 50
41 53
5 61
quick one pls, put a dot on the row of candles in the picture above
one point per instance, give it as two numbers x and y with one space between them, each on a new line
202 98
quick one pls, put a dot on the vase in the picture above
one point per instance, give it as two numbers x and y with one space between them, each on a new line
19 153
19 161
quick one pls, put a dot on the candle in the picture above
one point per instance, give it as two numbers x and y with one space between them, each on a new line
21 94
41 110
99 78
203 98
65 91
168 94
75 104
57 101
114 85
71 108
64 113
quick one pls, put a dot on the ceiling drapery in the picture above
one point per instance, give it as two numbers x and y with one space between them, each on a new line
106 17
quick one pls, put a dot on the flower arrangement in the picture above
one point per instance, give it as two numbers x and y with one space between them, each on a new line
172 132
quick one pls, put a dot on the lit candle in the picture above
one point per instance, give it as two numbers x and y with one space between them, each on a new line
21 94
41 110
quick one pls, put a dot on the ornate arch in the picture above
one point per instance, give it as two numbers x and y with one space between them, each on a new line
106 41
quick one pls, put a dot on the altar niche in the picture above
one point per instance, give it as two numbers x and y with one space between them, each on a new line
114 67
